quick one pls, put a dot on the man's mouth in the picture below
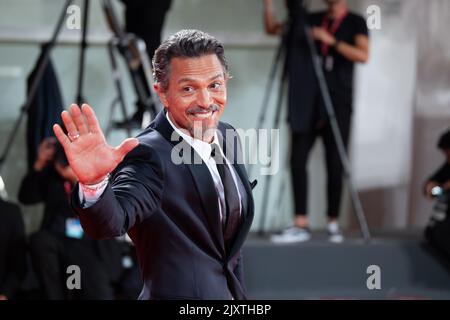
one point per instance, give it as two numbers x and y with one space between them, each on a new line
202 115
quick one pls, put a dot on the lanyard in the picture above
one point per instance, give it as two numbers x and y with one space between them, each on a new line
331 29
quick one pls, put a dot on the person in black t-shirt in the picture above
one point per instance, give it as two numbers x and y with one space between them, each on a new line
341 41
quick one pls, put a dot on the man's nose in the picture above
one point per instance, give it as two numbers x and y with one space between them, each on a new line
204 98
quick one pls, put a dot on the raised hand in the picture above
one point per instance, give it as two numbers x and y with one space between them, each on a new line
85 146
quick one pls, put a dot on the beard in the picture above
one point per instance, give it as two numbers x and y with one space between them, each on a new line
203 130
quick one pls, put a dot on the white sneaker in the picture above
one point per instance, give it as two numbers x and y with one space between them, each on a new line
334 233
292 234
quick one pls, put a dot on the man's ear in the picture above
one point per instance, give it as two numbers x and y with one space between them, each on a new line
161 94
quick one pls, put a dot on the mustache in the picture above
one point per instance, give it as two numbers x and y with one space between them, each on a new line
197 109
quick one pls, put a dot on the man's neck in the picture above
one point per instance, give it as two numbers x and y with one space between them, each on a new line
337 10
187 132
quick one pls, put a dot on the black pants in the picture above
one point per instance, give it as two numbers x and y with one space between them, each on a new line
301 147
51 254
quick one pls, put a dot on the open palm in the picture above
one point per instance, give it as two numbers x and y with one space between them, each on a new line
88 153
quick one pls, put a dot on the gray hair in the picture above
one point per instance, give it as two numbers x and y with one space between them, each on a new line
185 44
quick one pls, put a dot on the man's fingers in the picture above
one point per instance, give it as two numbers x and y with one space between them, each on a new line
126 146
61 136
91 119
78 118
69 124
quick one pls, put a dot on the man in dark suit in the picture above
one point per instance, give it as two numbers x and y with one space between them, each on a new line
180 188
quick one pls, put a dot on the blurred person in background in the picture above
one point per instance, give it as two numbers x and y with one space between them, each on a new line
440 178
437 188
60 241
341 39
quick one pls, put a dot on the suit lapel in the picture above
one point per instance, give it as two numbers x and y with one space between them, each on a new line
207 192
234 155
200 174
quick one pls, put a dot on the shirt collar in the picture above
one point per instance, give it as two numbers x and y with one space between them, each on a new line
201 147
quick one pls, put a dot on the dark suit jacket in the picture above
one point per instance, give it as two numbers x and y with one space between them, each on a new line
171 213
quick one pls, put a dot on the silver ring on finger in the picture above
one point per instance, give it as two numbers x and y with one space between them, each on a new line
73 137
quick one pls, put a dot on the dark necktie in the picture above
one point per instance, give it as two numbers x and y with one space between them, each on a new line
231 215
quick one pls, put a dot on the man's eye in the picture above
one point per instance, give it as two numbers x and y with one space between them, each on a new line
188 89
215 85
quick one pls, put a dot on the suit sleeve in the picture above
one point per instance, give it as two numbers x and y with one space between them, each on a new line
132 195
